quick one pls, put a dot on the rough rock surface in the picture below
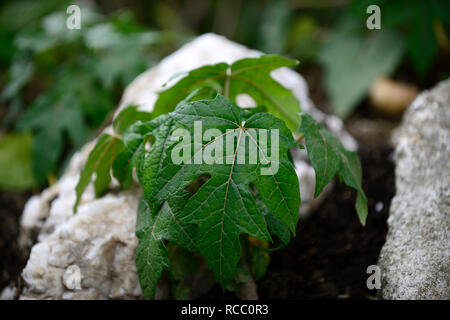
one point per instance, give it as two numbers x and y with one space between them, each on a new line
415 260
100 239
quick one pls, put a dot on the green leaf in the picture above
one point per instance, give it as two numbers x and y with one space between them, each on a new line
151 253
223 207
131 157
274 27
120 159
249 75
205 76
47 149
352 62
123 168
328 158
275 225
421 40
99 161
417 24
278 228
124 162
129 116
50 121
184 267
20 72
15 162
151 230
260 261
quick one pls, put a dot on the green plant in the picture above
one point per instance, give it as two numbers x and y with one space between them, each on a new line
231 209
75 77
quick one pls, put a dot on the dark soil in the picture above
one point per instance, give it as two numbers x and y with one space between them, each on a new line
12 258
331 252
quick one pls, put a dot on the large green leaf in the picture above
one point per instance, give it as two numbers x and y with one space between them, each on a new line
110 153
224 207
250 76
151 230
329 158
100 161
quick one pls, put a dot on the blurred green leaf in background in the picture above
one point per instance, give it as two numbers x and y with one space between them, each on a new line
15 162
352 61
416 19
62 84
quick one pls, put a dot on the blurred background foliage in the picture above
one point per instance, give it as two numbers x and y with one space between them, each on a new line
59 87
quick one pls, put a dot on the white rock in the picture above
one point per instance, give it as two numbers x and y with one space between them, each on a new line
100 238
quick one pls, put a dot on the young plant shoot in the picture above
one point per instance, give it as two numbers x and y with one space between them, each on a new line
218 180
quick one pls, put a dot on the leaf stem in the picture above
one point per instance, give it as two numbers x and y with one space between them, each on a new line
300 137
226 89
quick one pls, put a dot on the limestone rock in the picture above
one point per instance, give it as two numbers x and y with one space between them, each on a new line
99 239
415 260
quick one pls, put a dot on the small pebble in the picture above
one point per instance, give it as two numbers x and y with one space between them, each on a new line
379 206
